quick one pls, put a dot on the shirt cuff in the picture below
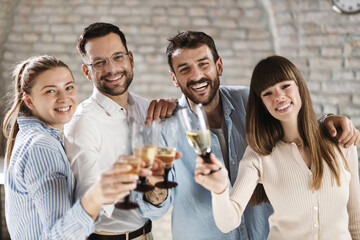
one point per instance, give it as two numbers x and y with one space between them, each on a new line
83 218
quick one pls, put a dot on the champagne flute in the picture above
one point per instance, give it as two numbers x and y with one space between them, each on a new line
167 150
135 168
143 148
197 130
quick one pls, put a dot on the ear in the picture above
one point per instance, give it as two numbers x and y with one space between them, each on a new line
219 66
86 71
131 58
174 80
27 100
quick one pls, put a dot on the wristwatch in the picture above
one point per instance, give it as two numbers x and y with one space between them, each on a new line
346 6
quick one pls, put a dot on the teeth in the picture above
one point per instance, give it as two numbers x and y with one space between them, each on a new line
114 79
284 106
63 109
200 86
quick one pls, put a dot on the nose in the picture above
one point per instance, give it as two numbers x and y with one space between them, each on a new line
278 95
197 74
110 65
62 96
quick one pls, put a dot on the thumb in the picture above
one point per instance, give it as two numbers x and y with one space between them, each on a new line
215 160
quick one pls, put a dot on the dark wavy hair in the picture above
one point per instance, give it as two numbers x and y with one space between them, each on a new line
98 29
189 39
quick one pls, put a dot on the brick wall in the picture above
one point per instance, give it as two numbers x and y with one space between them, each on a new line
323 44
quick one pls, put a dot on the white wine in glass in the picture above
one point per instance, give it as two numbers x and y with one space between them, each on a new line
142 139
167 156
197 130
135 168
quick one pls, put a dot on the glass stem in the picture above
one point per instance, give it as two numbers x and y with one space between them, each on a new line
166 174
142 180
206 157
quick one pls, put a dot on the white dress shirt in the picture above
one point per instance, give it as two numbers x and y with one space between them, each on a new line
96 135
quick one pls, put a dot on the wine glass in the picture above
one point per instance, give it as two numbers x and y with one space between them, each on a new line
135 168
142 140
167 149
197 130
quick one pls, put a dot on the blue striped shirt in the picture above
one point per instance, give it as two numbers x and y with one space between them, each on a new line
39 187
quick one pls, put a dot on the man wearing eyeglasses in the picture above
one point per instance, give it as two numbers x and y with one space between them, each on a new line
99 130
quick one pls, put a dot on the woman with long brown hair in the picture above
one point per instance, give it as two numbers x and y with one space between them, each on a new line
312 183
39 183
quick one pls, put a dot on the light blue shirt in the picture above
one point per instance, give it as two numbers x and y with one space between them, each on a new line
39 187
192 216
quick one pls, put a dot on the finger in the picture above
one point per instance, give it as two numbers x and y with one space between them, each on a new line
144 172
351 141
178 155
215 160
117 168
118 188
158 172
357 140
150 113
164 110
118 178
157 109
172 107
346 141
329 125
200 160
346 130
158 164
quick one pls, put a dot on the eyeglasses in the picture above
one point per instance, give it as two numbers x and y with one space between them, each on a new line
117 59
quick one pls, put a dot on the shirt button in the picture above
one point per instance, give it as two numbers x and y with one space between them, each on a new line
310 174
316 225
313 191
315 208
233 163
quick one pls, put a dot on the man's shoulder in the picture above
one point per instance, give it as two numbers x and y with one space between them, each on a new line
237 95
235 90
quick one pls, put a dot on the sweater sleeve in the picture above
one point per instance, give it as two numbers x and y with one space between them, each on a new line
354 194
227 209
46 178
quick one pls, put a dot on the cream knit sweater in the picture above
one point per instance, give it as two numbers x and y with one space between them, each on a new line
332 212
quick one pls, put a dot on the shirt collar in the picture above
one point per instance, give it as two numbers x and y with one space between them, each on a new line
34 122
110 106
228 107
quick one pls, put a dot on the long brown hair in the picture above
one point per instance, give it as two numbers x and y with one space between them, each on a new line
263 131
24 74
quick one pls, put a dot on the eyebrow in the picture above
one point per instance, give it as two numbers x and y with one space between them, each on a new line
54 86
199 60
117 52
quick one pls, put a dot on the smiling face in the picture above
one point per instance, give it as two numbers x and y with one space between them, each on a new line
53 97
283 101
196 73
115 79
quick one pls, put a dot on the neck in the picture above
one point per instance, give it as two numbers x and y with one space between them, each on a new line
291 132
121 100
214 111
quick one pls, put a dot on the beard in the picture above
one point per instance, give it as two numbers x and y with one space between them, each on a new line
213 88
116 89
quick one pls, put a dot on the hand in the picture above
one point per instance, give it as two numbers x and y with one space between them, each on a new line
347 135
217 181
160 108
158 170
113 184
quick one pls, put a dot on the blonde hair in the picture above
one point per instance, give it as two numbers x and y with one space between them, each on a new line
24 75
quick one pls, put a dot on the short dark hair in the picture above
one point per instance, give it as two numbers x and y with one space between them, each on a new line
98 29
190 39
